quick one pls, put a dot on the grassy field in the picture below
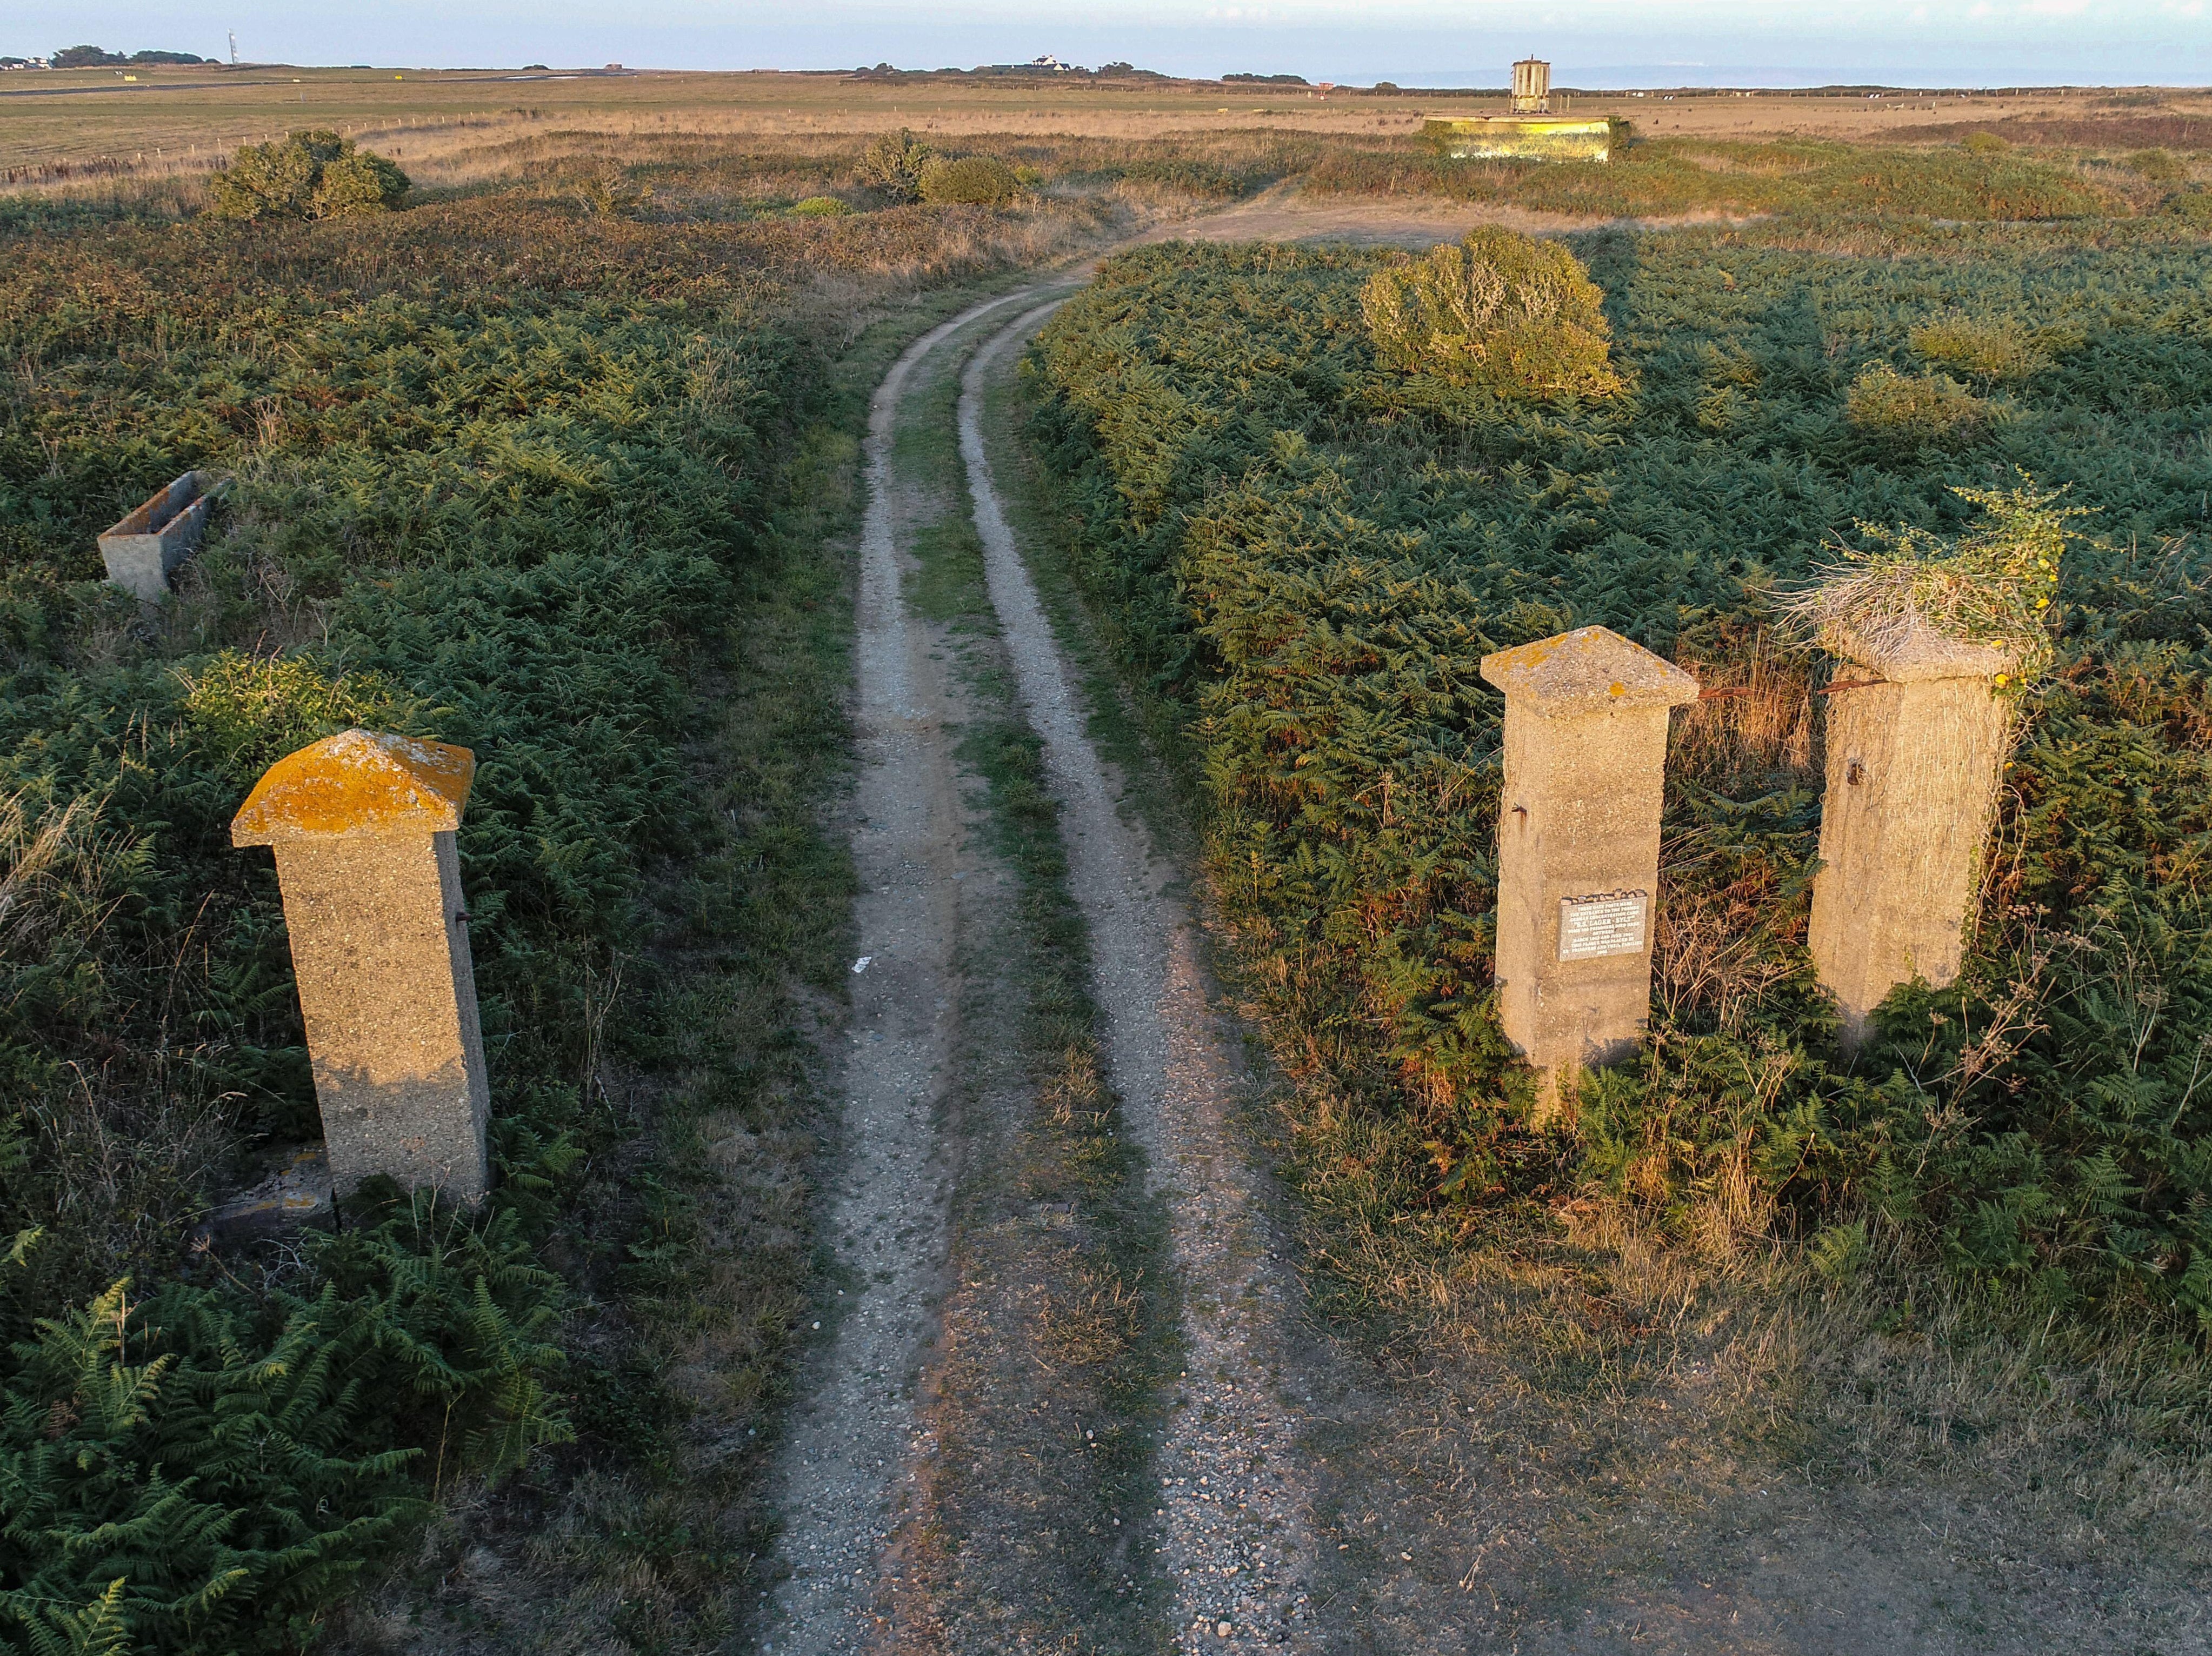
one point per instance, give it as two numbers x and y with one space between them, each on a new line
447 125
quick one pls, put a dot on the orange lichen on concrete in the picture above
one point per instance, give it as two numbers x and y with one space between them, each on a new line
358 782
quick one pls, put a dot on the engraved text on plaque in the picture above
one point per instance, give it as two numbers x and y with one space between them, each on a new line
1608 923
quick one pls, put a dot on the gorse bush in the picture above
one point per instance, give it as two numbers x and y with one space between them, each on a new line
969 181
1991 587
1308 552
894 162
1501 312
1993 352
307 175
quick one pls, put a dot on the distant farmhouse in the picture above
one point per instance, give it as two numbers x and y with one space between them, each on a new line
1531 132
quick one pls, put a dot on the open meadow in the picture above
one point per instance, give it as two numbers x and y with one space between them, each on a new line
656 439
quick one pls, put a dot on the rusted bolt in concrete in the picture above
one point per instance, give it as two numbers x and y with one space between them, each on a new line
1914 754
1578 845
363 826
142 550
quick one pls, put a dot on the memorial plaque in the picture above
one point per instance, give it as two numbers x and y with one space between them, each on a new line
1608 923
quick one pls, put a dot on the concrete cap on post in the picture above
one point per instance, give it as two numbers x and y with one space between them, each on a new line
1913 758
363 825
1586 716
1590 669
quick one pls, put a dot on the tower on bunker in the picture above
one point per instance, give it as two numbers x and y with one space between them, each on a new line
1532 87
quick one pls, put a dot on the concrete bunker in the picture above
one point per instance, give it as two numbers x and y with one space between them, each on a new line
1520 138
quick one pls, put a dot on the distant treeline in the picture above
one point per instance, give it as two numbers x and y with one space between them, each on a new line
97 58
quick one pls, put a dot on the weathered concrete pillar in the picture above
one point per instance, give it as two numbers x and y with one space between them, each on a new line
363 826
1914 752
1578 843
141 550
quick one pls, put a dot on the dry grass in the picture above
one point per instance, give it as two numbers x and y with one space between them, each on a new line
175 125
1754 715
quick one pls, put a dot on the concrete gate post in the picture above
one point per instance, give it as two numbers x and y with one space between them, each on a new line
363 826
1586 717
1915 749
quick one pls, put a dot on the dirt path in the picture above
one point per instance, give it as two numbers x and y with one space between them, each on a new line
1235 1537
851 1446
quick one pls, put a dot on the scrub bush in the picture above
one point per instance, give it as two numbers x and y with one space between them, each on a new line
970 181
1915 408
893 162
1992 352
1500 313
307 175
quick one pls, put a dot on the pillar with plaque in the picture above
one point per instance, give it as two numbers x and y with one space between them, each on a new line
1586 716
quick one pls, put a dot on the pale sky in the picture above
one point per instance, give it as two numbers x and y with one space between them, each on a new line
1415 42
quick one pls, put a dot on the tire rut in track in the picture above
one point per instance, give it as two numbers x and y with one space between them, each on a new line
1236 1535
852 1444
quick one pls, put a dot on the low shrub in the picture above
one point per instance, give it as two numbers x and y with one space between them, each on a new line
1993 351
820 207
314 174
1984 144
1500 313
1915 408
2192 206
1991 586
970 181
893 162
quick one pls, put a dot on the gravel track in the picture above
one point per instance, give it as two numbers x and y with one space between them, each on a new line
847 1467
1235 1525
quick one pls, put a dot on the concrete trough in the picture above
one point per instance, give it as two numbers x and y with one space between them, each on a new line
142 550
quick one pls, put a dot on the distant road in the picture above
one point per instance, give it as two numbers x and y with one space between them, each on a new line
431 78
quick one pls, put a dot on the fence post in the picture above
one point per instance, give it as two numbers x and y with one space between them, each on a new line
1586 716
1915 746
363 826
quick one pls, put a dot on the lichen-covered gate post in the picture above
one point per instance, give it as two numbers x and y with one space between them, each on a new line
1915 746
1586 716
363 826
